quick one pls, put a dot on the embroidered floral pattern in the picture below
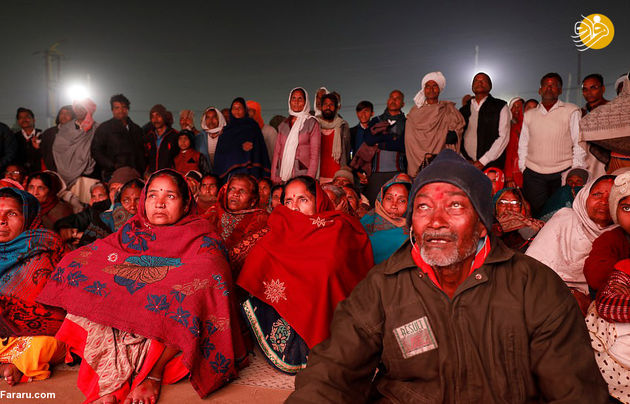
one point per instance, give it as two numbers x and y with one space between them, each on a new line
220 323
192 287
157 303
274 290
75 278
221 285
136 239
279 335
98 288
113 257
320 221
211 244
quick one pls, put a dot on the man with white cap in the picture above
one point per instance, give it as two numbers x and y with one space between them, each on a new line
454 316
432 125
487 131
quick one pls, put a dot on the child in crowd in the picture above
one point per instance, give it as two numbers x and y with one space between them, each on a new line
188 158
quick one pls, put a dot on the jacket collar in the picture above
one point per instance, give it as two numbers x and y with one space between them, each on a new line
401 259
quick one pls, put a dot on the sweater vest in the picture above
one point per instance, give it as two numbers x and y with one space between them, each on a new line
487 128
550 147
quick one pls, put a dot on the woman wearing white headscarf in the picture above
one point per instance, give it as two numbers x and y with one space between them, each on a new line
212 123
564 243
429 122
298 142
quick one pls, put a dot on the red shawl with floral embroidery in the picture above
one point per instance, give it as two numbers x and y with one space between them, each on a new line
167 283
239 230
305 265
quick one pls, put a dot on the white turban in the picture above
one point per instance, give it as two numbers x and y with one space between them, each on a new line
438 77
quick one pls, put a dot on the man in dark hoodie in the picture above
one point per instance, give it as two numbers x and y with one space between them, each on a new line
160 141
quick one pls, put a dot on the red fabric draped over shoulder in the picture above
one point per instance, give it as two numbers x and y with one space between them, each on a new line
305 265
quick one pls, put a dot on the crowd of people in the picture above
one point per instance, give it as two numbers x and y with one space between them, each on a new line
443 255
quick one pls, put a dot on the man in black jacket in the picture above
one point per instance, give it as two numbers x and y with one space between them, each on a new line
28 139
8 146
487 130
119 141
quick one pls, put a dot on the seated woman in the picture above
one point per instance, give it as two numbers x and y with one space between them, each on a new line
608 319
386 223
310 259
169 272
566 240
97 221
44 186
28 256
237 218
614 245
515 224
564 197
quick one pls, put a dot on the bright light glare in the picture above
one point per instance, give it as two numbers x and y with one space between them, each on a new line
77 92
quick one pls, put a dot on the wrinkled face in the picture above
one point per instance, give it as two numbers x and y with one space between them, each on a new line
508 202
395 200
341 181
445 224
353 198
38 189
120 110
431 90
157 120
276 198
597 203
297 101
298 198
481 84
164 204
211 119
264 191
328 109
592 90
395 101
130 198
11 219
183 142
209 187
365 115
623 214
575 181
550 89
15 173
25 120
98 194
186 121
517 108
64 116
240 195
238 110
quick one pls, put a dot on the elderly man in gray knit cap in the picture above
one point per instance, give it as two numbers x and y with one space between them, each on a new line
454 316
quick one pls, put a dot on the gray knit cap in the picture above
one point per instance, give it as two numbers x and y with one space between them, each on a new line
451 168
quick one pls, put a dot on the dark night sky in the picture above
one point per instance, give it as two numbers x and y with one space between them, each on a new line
195 54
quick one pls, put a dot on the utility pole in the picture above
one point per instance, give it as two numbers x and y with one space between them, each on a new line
52 64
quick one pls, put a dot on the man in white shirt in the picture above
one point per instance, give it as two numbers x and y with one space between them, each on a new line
487 130
548 143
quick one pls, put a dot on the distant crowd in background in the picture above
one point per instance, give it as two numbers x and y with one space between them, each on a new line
233 234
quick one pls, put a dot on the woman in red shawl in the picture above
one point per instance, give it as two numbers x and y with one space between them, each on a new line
44 186
310 259
237 218
28 254
158 287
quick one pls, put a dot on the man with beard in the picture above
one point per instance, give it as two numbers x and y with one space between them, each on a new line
454 316
160 142
118 141
548 144
388 132
335 145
